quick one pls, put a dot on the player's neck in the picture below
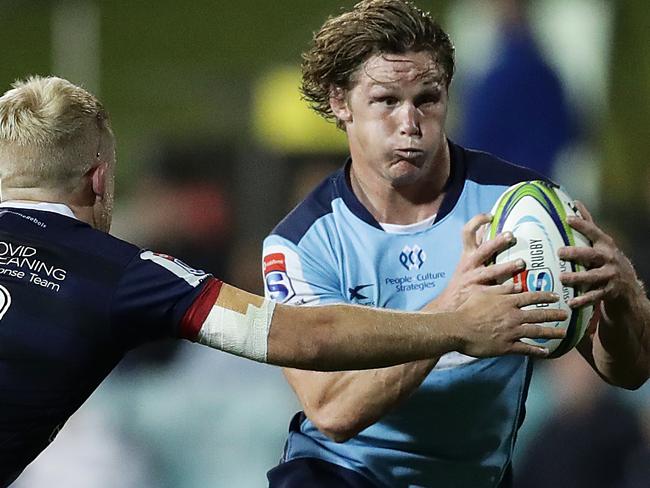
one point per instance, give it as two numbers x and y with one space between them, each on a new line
405 204
40 195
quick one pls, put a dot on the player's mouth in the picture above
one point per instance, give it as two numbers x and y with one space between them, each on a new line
409 153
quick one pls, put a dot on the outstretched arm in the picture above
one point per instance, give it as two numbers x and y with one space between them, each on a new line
618 348
337 337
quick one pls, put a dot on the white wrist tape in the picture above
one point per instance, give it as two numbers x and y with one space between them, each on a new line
239 334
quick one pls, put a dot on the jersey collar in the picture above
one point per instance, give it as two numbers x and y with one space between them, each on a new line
453 188
58 208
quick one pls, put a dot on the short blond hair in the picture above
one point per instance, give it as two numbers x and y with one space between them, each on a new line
51 131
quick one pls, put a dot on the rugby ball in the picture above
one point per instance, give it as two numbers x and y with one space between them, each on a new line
535 212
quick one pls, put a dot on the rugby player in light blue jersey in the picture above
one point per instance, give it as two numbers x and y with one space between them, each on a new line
397 227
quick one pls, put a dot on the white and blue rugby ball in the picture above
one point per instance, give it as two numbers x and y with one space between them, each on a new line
535 212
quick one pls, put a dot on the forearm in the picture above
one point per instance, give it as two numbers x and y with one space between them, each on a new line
339 337
343 404
335 337
348 337
619 349
621 345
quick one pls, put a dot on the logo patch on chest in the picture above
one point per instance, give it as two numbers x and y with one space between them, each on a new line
412 257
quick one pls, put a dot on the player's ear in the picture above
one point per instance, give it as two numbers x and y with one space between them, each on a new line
98 175
339 104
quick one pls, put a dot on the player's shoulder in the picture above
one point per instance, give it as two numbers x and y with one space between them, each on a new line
91 241
487 169
72 237
316 205
109 245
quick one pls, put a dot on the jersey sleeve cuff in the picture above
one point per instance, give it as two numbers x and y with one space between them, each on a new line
196 314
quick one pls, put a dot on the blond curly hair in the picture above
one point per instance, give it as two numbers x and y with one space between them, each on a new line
346 41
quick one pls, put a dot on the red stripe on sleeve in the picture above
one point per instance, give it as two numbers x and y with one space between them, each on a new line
199 310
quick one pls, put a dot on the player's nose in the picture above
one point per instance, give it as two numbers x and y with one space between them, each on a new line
409 123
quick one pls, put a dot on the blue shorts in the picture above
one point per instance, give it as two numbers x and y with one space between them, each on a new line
315 473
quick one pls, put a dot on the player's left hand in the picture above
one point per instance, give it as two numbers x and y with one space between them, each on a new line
609 275
472 273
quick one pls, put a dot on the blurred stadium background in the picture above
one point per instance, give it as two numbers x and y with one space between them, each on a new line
215 146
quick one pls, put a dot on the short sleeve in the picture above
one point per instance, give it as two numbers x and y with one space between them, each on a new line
298 276
153 297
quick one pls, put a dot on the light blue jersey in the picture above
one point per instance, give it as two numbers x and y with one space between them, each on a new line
459 427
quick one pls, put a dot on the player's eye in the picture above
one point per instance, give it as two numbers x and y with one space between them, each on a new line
387 100
428 99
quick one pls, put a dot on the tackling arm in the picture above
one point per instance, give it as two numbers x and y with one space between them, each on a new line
339 337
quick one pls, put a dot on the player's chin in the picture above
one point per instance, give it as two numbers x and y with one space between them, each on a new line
404 173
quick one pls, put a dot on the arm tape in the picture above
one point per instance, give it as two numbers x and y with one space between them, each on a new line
241 334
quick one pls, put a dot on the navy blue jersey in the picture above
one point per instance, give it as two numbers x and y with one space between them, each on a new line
73 300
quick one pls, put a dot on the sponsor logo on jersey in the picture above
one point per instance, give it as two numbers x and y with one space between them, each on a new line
192 276
274 262
419 282
276 279
5 301
355 292
22 259
24 263
34 220
361 295
412 257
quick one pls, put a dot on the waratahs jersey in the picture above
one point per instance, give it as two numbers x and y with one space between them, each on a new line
459 427
73 300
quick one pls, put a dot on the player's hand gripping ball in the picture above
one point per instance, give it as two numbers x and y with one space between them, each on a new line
535 212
